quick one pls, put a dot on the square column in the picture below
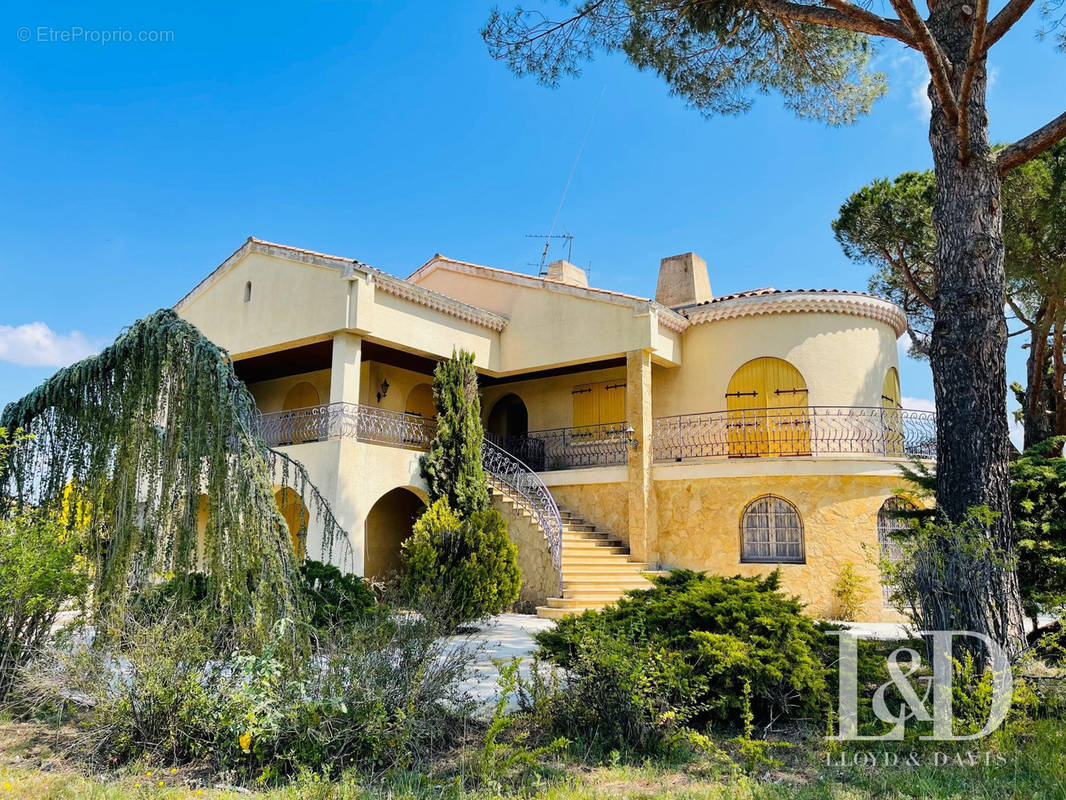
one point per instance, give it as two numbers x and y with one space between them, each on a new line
643 519
347 361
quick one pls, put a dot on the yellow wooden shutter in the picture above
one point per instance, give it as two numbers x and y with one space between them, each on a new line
788 421
767 404
746 403
893 418
612 402
890 390
585 405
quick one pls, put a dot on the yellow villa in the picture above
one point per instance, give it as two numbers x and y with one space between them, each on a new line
733 434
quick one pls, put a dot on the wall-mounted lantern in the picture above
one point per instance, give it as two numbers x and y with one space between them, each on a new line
383 392
631 438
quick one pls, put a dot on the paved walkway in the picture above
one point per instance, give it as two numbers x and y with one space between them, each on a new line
504 637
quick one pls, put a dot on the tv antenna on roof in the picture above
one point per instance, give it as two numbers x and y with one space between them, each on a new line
569 237
551 231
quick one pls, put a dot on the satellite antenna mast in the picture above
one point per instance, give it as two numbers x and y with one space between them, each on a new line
551 231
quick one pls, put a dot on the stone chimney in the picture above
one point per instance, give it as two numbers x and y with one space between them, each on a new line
565 272
683 281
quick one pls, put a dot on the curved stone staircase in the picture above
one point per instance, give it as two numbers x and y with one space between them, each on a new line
596 569
593 566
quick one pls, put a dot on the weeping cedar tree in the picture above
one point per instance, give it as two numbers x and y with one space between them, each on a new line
888 225
452 467
124 445
816 55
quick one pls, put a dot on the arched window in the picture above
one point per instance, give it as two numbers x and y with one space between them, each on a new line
771 531
248 292
890 522
767 404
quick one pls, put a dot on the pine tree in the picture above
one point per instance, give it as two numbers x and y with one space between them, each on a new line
452 467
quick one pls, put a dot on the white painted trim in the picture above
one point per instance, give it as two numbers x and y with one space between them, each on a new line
584 477
850 303
776 467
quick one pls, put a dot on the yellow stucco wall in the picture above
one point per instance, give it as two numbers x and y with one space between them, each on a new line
699 528
290 302
592 325
270 395
549 401
842 358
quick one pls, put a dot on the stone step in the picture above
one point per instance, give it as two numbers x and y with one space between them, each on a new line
571 527
580 604
591 544
596 592
577 561
589 536
546 612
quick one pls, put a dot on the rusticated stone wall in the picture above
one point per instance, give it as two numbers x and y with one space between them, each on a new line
605 505
539 578
699 528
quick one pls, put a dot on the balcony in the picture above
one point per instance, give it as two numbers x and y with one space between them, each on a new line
347 421
782 432
802 431
569 448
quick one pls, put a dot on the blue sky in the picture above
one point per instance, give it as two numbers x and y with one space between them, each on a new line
383 131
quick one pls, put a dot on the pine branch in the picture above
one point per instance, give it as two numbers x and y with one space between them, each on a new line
939 66
1029 147
1004 21
856 19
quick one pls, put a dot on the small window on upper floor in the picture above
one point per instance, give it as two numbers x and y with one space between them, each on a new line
248 292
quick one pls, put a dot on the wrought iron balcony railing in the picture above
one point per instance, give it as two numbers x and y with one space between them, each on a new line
800 431
347 421
568 448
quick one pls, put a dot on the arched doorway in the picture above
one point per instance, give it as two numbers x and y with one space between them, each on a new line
767 404
508 418
301 425
301 395
387 525
297 518
420 402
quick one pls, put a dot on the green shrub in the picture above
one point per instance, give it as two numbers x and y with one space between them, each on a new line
383 693
465 569
1038 495
851 591
683 652
332 597
39 575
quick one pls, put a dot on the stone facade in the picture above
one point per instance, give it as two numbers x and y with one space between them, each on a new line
700 529
539 578
605 505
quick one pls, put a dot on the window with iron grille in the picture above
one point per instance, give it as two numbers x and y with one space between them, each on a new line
889 524
771 531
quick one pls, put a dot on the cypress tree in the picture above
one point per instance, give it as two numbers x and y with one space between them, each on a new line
452 467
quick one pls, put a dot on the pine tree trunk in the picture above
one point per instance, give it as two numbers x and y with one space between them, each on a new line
968 349
1040 414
